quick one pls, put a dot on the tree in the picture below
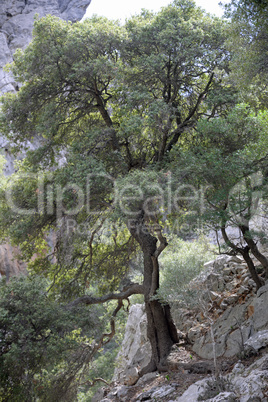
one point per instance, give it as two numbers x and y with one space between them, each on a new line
228 160
41 343
108 104
248 42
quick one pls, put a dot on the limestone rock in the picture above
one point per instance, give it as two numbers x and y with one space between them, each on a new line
260 316
224 397
129 376
6 80
73 10
200 367
9 265
257 341
238 368
136 349
193 392
251 386
147 377
16 25
247 385
235 341
156 393
162 392
99 395
117 393
122 391
194 333
228 335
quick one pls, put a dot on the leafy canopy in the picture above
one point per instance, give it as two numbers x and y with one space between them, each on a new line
107 104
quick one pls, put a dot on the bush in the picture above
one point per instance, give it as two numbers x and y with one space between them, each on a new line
183 262
40 343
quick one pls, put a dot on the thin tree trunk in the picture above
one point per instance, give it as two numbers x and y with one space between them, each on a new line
251 267
244 251
254 248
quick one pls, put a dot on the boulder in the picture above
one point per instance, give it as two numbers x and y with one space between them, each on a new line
193 392
156 393
162 392
229 332
260 316
246 385
257 341
147 377
135 352
224 397
251 387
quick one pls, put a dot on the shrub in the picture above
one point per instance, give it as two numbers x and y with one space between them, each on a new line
183 262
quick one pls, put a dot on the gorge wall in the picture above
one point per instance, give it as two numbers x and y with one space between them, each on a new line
16 26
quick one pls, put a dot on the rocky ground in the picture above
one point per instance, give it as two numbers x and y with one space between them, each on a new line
187 385
228 303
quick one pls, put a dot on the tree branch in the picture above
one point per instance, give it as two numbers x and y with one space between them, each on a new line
185 123
158 251
163 242
88 299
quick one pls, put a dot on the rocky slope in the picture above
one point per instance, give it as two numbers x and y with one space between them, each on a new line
16 25
227 309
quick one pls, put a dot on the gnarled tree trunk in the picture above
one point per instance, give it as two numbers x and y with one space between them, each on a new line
161 329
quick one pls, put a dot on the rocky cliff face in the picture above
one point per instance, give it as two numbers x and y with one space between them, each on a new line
16 25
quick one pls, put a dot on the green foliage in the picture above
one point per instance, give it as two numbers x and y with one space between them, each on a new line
117 110
108 103
180 265
39 341
247 41
227 159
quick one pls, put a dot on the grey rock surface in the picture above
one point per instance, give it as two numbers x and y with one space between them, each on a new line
260 316
224 397
193 392
16 25
257 341
251 385
147 377
9 264
156 393
162 392
135 352
229 335
248 385
241 312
